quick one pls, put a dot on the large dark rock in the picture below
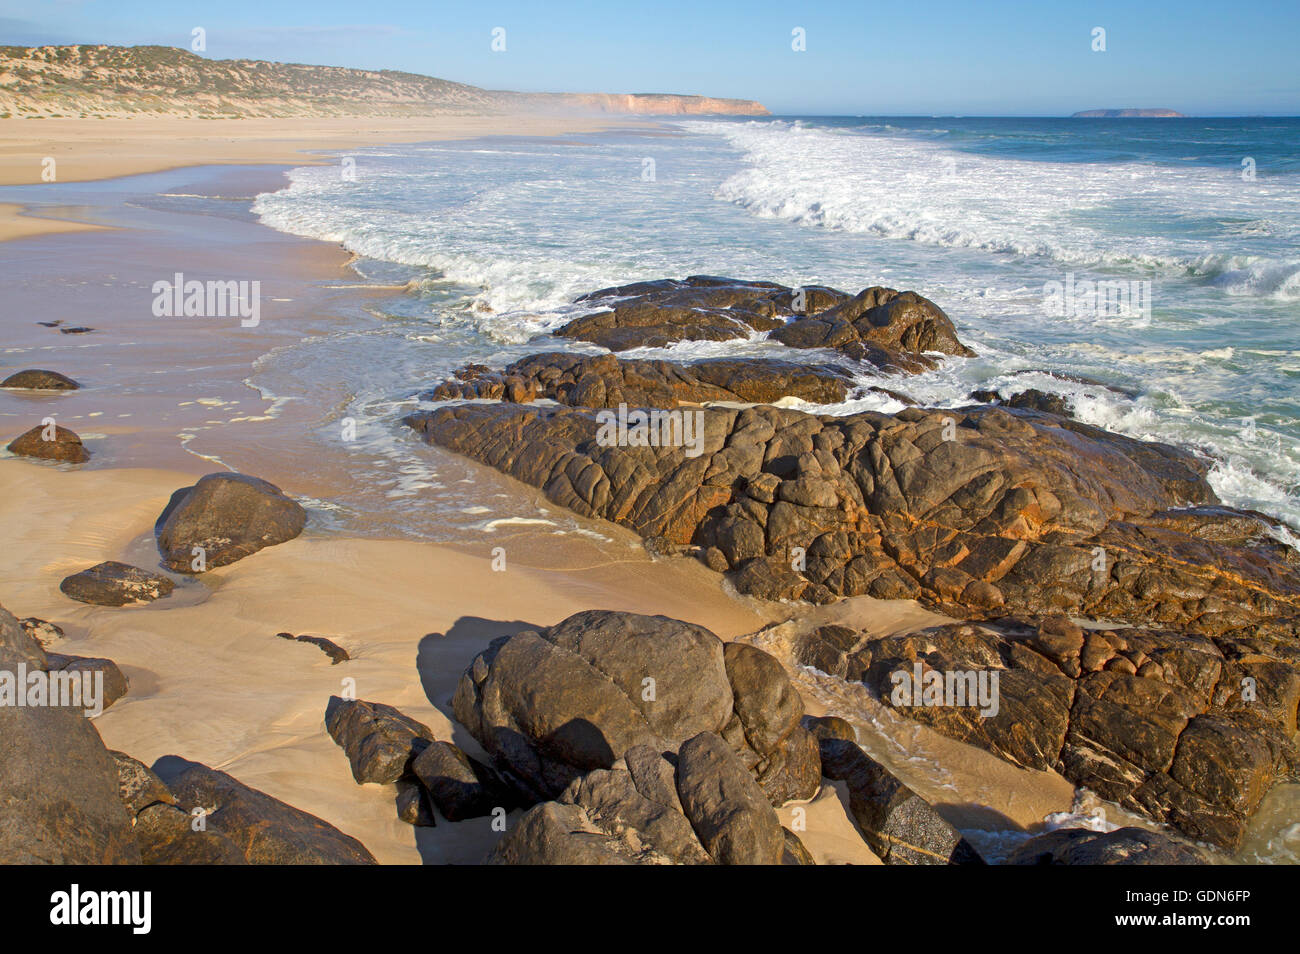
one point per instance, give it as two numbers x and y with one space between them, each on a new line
458 785
59 800
65 445
380 742
604 381
265 829
729 812
38 379
1125 846
116 584
1160 721
229 516
976 512
553 705
900 827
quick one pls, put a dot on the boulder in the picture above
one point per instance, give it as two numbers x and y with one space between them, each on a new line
116 584
265 829
226 517
729 812
38 379
165 834
114 684
65 445
380 742
553 705
458 785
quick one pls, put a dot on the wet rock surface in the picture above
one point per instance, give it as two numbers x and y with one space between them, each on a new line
898 825
64 445
38 379
1125 846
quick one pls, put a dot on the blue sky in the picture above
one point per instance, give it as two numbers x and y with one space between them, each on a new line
965 58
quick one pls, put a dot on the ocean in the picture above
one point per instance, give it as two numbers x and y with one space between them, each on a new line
1194 224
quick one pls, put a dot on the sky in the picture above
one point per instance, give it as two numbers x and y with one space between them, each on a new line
860 57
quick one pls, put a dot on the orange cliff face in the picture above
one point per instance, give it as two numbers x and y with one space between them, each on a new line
656 104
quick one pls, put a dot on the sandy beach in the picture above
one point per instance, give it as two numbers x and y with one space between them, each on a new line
166 402
209 679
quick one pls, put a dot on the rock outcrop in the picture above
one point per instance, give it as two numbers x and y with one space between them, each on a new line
223 518
59 799
977 512
1185 728
883 327
604 381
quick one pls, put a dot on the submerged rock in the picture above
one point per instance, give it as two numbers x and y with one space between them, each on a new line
333 650
65 445
223 518
40 380
116 584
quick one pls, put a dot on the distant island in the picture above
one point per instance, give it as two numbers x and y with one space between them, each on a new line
1129 114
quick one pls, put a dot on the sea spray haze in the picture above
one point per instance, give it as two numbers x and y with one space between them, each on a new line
1198 220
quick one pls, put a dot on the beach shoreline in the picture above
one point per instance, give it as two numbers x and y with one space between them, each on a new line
413 613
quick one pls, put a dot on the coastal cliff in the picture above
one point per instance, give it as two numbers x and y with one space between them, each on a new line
113 82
